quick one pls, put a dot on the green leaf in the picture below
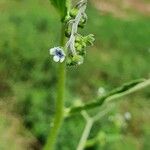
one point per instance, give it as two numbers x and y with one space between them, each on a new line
61 6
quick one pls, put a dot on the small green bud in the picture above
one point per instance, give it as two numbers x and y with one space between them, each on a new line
74 12
67 18
81 25
84 44
78 59
79 38
89 39
68 31
82 52
79 48
69 61
102 137
75 60
83 21
76 44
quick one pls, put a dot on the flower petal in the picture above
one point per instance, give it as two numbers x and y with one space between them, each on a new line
52 51
56 58
63 52
62 59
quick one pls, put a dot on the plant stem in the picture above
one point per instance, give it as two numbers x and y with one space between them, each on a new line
89 123
85 134
59 110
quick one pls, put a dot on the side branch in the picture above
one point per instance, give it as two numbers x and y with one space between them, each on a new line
125 89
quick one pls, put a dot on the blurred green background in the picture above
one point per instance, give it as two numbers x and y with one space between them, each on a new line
28 28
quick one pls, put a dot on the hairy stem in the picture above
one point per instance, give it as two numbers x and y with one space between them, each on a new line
59 113
75 22
85 134
89 123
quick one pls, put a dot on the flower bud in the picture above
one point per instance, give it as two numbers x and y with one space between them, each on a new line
76 44
67 18
89 39
79 47
84 44
83 21
81 50
78 59
79 38
73 12
68 30
75 60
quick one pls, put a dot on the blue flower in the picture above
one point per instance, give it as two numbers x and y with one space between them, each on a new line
58 54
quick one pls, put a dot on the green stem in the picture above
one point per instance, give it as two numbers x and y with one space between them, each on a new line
85 134
59 114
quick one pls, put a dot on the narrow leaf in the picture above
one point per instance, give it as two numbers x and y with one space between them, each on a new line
60 5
